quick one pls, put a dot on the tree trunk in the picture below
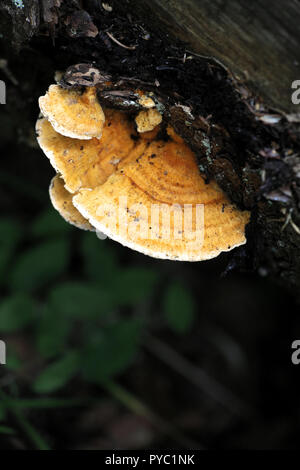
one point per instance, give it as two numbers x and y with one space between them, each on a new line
253 152
256 40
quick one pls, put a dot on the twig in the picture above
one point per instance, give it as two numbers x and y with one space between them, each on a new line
139 408
131 48
197 376
290 221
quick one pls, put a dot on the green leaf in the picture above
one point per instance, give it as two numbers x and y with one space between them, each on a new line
81 300
5 255
57 374
46 403
134 285
23 423
49 224
100 263
111 351
10 232
6 430
40 265
179 308
10 235
52 333
16 312
13 361
3 411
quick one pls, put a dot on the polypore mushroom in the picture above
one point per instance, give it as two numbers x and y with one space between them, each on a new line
165 178
146 101
72 113
85 163
62 201
147 120
143 192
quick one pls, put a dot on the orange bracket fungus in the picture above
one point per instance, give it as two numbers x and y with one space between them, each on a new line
73 114
147 120
129 177
62 201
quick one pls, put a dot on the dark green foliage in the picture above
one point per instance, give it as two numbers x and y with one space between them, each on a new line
81 300
16 312
10 233
111 350
86 312
57 374
41 264
179 308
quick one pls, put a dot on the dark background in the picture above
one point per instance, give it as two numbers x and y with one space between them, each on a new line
109 349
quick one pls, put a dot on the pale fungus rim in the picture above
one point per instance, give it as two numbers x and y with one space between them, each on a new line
60 126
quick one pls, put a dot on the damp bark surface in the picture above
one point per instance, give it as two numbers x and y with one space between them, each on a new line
222 75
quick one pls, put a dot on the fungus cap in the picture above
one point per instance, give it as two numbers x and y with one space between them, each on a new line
147 120
194 221
143 192
87 163
146 102
62 201
72 113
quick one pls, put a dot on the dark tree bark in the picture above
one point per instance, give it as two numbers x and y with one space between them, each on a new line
257 40
249 148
